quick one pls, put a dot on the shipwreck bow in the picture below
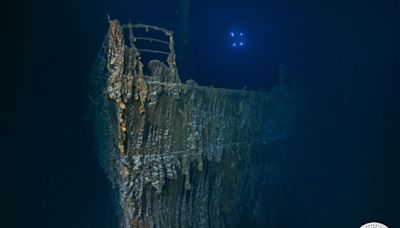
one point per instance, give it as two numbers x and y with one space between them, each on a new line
178 154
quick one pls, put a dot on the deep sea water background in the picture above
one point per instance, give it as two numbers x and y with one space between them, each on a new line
344 171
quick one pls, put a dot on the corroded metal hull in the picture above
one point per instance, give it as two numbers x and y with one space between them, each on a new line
179 154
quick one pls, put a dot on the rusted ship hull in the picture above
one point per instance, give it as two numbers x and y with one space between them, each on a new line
179 154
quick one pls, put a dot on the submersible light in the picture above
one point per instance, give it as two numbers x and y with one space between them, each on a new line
237 39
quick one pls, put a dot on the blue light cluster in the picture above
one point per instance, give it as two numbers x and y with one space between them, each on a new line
237 39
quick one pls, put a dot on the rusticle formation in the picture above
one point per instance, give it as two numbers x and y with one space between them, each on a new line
179 154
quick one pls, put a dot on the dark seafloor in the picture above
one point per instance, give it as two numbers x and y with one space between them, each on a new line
344 171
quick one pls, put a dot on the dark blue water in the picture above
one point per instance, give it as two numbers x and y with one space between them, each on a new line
343 170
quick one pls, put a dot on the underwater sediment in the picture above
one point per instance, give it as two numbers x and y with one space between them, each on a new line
179 154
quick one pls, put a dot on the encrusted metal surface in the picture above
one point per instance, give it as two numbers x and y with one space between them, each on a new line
182 155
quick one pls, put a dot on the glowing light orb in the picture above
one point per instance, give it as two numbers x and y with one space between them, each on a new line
237 39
